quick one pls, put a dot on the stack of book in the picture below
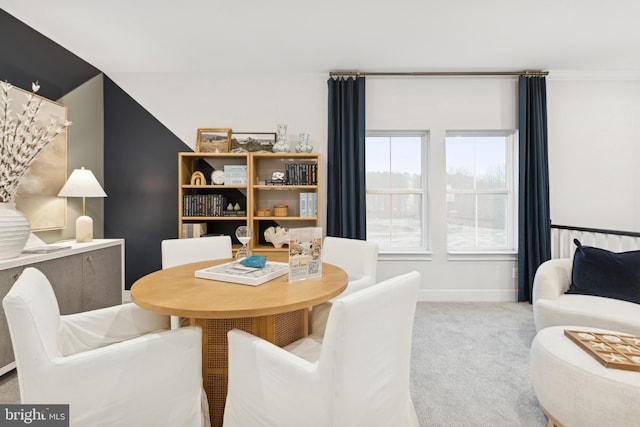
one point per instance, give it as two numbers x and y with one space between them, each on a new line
197 229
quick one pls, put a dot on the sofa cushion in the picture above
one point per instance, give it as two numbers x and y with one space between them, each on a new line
603 273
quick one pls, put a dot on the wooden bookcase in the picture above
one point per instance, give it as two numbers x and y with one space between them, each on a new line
301 169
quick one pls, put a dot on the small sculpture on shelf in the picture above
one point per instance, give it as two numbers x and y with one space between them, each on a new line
303 144
281 145
277 236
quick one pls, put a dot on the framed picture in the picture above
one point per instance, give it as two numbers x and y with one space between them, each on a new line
213 140
242 142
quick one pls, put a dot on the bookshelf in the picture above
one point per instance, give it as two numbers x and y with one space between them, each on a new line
258 202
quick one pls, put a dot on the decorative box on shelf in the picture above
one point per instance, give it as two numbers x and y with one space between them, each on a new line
280 210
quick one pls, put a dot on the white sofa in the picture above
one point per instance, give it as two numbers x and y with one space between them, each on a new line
552 307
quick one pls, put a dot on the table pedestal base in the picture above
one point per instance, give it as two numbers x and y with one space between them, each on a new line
280 329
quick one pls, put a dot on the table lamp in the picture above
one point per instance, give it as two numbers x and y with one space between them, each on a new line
82 183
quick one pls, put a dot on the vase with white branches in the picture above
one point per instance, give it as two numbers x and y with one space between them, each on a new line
22 136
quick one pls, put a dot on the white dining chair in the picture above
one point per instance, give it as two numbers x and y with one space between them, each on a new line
184 251
115 366
358 258
355 374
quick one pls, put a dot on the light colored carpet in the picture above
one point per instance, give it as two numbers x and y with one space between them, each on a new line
470 366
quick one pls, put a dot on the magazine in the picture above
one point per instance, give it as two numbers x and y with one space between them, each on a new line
305 253
237 273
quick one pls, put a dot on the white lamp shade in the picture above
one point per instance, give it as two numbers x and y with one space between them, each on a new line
82 183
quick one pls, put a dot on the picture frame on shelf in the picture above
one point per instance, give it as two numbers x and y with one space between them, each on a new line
212 140
251 142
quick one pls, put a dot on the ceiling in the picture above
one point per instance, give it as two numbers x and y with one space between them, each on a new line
306 36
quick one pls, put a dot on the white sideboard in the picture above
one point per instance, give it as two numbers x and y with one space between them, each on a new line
84 277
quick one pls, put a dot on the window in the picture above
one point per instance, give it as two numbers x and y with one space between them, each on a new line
396 190
481 201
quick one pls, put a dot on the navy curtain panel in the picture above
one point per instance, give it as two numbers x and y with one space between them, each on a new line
346 198
534 222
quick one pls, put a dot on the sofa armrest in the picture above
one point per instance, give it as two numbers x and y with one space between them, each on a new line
552 279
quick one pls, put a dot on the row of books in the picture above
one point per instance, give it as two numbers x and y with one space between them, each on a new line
309 204
301 173
204 205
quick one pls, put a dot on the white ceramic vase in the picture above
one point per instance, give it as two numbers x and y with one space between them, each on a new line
303 144
14 231
281 145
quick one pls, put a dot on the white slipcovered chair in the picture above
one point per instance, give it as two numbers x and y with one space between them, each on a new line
355 374
185 251
116 366
358 258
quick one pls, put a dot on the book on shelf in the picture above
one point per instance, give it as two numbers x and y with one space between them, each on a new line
301 173
305 253
235 272
308 204
197 229
203 204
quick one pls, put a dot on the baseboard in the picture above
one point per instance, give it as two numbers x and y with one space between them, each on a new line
442 295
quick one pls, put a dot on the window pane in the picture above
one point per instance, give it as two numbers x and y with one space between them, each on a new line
476 162
394 221
461 221
406 230
492 221
379 219
460 163
377 161
491 161
406 161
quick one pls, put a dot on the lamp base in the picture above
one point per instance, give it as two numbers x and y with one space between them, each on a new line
84 229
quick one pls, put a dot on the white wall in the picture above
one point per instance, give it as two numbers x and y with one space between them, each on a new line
594 150
592 144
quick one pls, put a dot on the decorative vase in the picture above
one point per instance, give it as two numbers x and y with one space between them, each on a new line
14 231
303 144
281 145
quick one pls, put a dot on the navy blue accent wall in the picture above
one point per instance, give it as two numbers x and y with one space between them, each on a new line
27 56
140 178
140 154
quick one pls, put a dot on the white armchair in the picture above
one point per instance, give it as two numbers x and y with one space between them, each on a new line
358 258
116 366
184 251
357 375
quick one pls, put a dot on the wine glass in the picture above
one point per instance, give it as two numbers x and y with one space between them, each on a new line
244 234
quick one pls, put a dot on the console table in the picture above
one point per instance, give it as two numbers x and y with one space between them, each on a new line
84 277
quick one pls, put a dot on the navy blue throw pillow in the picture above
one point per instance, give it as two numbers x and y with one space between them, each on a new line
604 273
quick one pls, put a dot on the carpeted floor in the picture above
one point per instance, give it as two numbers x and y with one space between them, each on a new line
470 366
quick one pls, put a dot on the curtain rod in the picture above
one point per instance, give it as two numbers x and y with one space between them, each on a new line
438 73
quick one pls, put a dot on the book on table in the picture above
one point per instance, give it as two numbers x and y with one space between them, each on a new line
235 272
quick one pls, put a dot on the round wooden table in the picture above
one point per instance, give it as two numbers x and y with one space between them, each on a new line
276 311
